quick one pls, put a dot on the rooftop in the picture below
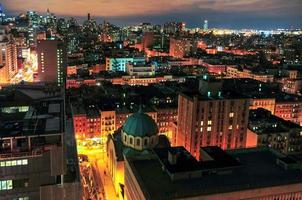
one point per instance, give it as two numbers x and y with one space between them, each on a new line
212 158
259 169
140 125
262 121
42 117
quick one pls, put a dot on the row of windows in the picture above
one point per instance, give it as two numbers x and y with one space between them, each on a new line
10 163
21 198
6 185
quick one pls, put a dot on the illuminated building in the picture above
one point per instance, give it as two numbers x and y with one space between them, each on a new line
107 122
211 117
257 173
215 68
179 47
34 151
137 136
267 130
11 60
34 18
86 121
71 70
120 63
184 61
10 68
95 69
263 102
292 86
205 25
141 70
52 61
2 55
166 115
211 51
234 72
289 108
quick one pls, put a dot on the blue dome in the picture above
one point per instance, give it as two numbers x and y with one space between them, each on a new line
140 125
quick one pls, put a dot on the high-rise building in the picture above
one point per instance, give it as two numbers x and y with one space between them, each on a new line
9 63
11 59
211 117
34 151
205 25
2 55
52 61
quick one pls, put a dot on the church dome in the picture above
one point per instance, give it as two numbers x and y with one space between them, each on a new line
140 125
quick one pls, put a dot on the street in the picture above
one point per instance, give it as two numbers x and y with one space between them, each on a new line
102 182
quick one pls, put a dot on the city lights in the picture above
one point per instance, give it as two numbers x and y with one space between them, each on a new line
150 100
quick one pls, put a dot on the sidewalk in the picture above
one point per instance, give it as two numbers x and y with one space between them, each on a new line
107 182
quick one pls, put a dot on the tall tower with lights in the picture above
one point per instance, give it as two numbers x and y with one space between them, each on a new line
205 25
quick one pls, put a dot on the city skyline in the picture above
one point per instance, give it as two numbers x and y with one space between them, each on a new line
254 14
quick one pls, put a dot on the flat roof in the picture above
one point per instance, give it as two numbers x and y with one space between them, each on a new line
259 170
185 162
43 117
224 95
261 121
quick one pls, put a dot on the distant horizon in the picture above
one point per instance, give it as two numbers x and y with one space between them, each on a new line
228 14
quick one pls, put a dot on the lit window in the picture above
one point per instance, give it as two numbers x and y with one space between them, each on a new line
210 122
14 162
6 185
231 114
24 162
8 163
209 128
2 164
9 184
231 127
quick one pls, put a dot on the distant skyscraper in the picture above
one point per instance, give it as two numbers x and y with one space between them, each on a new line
51 61
2 15
205 25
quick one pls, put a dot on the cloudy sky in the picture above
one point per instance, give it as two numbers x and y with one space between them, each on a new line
220 13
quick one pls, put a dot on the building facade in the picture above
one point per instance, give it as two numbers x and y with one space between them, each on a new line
52 61
211 118
268 130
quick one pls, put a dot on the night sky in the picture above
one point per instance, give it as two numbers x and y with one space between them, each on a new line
261 14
